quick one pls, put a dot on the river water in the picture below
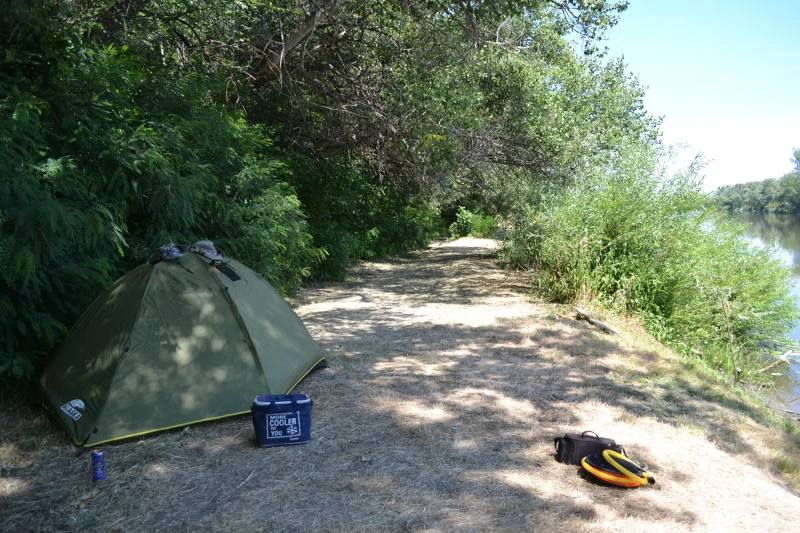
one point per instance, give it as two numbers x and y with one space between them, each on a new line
784 232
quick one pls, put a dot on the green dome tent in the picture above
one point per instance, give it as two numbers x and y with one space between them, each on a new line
175 342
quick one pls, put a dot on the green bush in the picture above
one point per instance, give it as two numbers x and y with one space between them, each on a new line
106 158
463 224
482 225
643 244
472 224
58 237
354 216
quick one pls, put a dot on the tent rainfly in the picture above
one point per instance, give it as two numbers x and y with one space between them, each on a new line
174 342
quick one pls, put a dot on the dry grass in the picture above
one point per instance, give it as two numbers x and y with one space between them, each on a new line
445 389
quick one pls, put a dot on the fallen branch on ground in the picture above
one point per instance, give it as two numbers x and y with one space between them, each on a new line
782 359
594 321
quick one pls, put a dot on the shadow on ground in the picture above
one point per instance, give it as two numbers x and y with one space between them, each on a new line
444 392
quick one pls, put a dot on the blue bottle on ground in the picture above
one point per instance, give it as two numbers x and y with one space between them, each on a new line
98 465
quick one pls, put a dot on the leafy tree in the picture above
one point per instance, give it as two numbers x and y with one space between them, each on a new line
379 80
105 157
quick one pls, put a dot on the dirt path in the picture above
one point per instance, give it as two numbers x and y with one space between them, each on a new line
446 386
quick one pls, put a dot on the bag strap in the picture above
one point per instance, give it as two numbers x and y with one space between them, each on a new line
559 443
592 432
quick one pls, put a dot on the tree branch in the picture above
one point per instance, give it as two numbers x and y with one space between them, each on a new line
276 60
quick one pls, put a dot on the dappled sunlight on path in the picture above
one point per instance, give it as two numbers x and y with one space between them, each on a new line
446 386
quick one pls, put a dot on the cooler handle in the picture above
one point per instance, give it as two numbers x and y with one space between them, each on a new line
291 399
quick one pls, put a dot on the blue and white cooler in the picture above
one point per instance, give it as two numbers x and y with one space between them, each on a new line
282 419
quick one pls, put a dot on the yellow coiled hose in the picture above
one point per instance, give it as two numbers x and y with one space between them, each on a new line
630 474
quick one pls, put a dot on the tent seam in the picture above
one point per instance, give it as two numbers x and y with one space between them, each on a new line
240 322
314 366
124 352
132 435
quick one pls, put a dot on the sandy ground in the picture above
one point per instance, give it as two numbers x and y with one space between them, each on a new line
446 386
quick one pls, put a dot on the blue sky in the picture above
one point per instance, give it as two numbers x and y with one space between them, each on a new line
725 75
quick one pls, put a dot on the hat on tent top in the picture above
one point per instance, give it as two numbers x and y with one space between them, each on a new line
205 248
208 249
171 251
188 337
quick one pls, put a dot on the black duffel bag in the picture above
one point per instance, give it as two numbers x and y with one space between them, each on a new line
572 447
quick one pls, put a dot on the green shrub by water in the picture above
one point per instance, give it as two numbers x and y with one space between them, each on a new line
643 244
